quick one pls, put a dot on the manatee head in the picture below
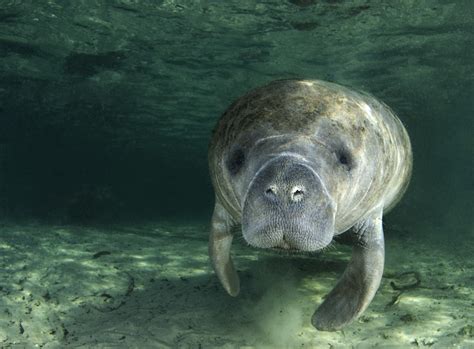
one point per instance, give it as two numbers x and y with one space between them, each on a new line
291 156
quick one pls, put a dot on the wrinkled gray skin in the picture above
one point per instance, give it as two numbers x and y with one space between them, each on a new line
298 162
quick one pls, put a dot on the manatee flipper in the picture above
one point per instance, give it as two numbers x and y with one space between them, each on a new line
360 281
220 242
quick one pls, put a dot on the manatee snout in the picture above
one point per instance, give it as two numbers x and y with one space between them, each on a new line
287 206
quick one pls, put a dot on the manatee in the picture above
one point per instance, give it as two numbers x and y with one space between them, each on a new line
295 164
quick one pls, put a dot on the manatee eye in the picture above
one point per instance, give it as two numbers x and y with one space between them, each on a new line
345 158
235 161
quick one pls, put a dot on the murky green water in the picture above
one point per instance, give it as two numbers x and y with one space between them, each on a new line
106 109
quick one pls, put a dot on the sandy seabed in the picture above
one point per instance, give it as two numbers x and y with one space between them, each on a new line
151 286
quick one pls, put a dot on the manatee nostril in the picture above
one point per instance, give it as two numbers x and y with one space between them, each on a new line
297 194
271 192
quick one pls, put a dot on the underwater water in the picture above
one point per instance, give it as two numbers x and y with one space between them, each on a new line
106 112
